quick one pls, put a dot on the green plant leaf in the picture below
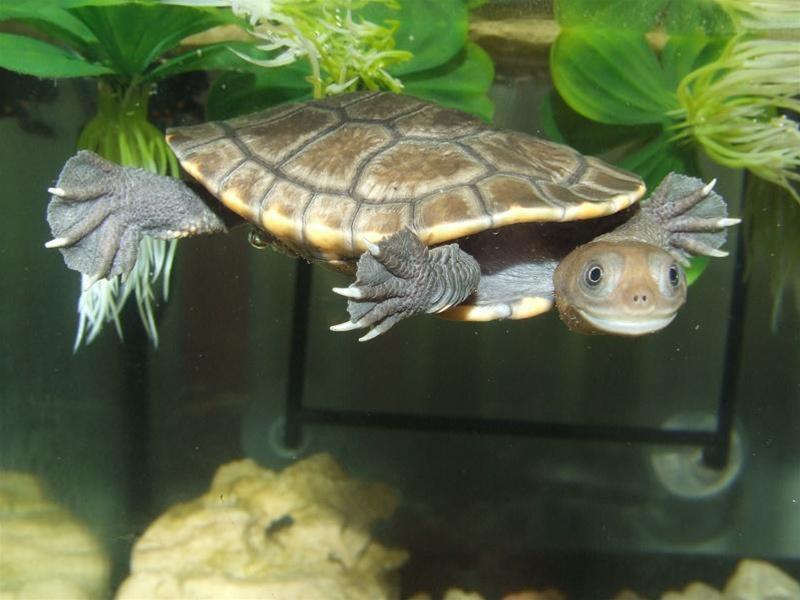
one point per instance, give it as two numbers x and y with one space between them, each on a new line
462 82
677 16
212 57
103 3
50 18
696 268
631 15
132 36
32 57
697 16
82 3
659 157
236 94
611 77
434 32
564 125
684 53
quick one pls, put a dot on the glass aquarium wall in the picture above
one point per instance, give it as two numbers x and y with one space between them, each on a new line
216 439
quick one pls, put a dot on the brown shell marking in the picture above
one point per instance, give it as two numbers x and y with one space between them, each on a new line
323 176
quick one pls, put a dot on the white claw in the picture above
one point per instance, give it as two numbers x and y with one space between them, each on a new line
349 292
727 222
716 253
59 242
372 333
709 186
346 326
88 281
374 249
57 192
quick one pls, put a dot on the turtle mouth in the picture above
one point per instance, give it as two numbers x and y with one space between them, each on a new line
626 326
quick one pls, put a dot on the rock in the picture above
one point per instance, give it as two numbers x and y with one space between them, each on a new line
451 594
752 580
549 594
45 552
456 594
298 534
694 591
759 580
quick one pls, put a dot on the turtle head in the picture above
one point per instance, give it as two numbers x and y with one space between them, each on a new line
622 287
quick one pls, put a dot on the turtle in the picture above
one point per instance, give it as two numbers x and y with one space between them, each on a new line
432 209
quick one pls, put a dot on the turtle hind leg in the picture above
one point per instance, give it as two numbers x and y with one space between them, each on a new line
693 217
400 277
99 212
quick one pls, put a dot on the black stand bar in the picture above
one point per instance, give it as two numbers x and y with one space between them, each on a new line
448 424
293 424
715 455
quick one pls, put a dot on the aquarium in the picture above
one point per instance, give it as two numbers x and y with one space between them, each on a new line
191 427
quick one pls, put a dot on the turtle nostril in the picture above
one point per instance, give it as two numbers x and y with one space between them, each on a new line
637 298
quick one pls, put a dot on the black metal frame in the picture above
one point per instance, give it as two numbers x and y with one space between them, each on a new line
715 443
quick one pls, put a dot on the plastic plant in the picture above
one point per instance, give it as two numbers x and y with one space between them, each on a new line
736 107
343 52
768 15
712 85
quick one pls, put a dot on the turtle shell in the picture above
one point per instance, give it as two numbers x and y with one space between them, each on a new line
322 176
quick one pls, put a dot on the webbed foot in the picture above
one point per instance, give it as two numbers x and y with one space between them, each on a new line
99 212
400 277
693 216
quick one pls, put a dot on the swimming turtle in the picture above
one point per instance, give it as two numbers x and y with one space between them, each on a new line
433 210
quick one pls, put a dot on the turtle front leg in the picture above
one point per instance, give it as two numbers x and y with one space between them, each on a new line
684 216
401 277
693 216
99 212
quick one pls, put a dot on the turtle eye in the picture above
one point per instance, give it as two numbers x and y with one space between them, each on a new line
593 274
674 275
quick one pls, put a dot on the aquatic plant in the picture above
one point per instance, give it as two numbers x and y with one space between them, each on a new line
343 51
726 91
773 15
735 107
611 79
